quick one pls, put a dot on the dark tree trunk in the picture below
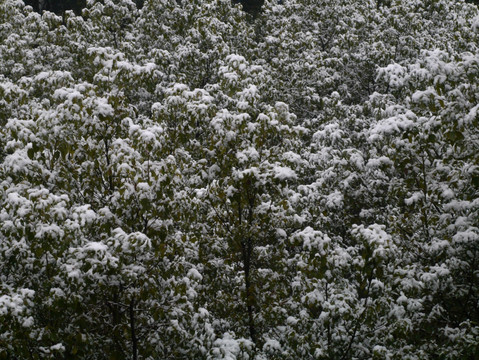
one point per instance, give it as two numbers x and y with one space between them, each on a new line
134 339
246 248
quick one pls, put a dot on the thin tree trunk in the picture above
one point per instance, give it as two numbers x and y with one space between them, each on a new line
246 250
134 339
249 295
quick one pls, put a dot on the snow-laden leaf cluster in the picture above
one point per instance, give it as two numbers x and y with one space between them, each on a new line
184 181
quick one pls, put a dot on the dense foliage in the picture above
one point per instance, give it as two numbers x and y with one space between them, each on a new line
186 181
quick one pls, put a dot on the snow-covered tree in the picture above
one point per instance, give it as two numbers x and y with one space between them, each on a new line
179 179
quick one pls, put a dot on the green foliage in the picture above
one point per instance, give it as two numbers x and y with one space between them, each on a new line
179 180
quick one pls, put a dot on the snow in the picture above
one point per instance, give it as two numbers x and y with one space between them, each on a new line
284 173
281 107
96 246
103 107
394 74
377 162
424 96
330 199
194 274
281 233
294 158
58 347
236 61
414 198
68 95
470 236
84 214
271 345
52 230
250 154
475 24
250 93
290 320
28 322
376 237
229 348
330 132
472 115
52 77
314 297
16 303
15 199
334 200
447 193
392 125
313 239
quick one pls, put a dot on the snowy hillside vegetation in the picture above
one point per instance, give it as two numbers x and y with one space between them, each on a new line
187 181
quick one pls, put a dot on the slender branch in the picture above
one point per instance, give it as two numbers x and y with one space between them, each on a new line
134 339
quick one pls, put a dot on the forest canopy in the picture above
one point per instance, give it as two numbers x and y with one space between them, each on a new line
182 180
